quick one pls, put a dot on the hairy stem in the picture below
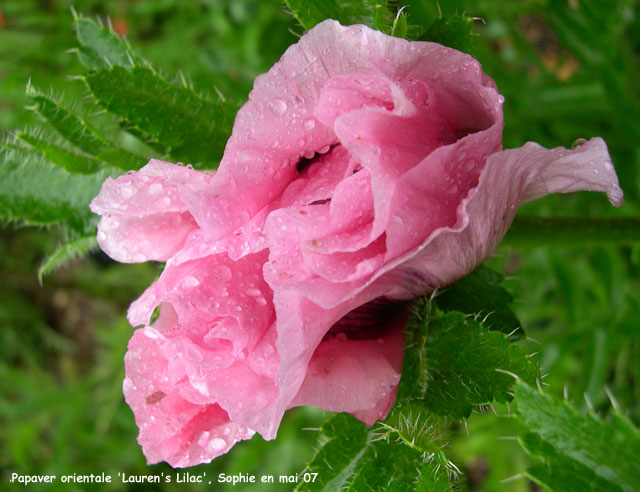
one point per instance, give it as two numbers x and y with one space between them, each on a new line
538 231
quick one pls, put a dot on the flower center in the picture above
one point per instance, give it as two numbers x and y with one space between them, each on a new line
371 320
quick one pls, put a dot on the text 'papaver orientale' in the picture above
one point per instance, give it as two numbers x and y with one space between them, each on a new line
363 169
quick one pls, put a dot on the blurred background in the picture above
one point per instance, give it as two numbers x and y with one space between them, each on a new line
567 69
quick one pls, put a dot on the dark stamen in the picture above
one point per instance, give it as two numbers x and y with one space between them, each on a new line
369 321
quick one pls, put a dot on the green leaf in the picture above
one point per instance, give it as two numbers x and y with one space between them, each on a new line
67 123
60 156
605 455
355 457
35 192
415 378
66 253
456 32
558 472
194 129
78 132
480 293
468 365
372 13
100 47
400 26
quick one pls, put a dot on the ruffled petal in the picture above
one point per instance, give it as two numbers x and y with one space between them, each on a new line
144 213
358 376
509 179
284 121
172 428
217 318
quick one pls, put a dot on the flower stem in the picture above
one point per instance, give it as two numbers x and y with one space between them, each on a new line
530 232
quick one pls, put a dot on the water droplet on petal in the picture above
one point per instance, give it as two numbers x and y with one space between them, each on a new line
189 282
151 333
223 272
127 191
469 165
203 439
253 292
452 189
278 106
577 142
155 188
309 124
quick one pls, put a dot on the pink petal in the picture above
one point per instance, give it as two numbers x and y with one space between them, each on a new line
172 428
355 376
509 179
217 320
144 216
283 119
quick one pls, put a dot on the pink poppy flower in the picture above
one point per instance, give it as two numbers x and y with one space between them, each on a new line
363 170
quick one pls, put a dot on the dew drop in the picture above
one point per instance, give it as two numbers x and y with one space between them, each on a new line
151 333
190 282
469 165
253 292
203 439
577 142
223 272
155 188
608 166
128 191
278 106
500 98
309 124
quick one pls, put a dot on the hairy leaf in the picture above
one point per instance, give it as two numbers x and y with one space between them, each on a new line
66 253
603 455
60 156
35 192
355 457
194 129
455 32
67 123
560 473
468 365
480 293
371 13
78 132
100 47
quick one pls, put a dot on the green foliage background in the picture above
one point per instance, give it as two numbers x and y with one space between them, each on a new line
567 69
